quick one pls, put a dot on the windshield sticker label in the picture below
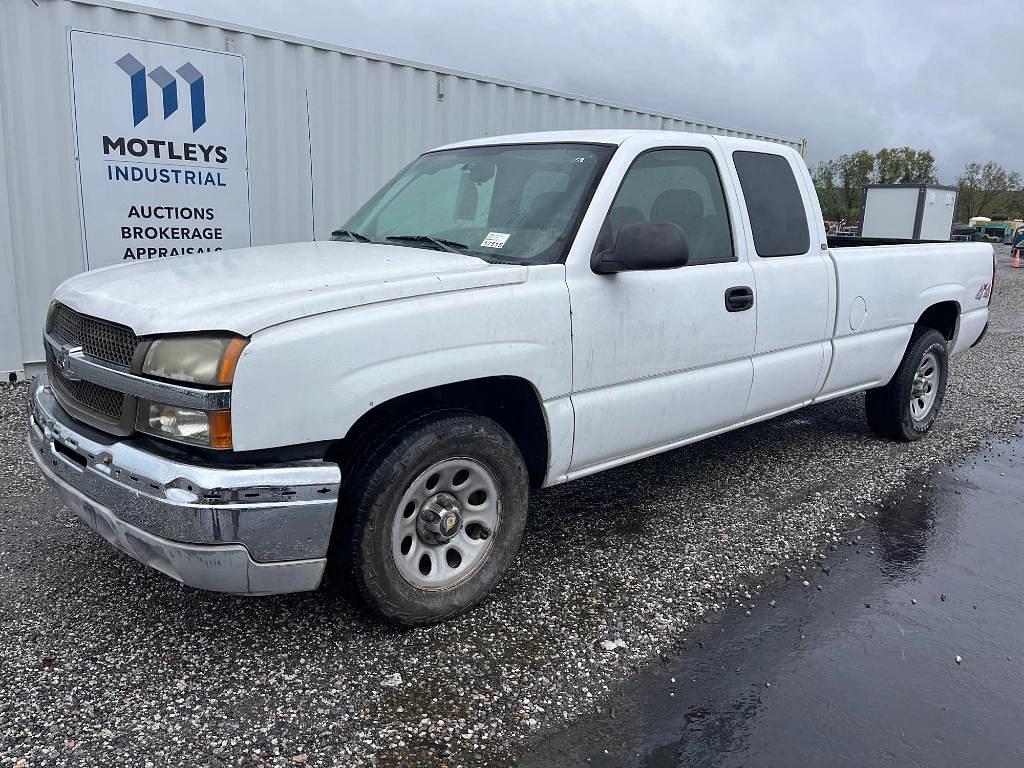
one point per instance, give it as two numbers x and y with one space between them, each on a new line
495 240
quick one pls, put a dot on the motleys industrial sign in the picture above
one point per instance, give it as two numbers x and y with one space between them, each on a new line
161 147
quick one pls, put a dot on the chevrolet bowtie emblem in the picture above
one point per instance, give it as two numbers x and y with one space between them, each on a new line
64 362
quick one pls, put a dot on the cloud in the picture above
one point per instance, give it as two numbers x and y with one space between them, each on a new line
845 76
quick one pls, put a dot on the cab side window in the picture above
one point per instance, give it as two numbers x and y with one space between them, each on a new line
681 187
778 220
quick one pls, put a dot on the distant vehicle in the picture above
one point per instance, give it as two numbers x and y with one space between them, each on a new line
997 231
1011 235
963 233
507 312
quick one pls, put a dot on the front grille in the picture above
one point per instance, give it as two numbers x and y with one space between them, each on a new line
99 400
97 338
98 406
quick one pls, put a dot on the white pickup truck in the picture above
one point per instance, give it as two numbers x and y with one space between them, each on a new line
507 313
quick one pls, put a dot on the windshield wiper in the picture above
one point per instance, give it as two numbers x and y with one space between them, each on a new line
350 234
438 242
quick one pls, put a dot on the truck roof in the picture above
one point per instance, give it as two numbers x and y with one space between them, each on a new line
595 136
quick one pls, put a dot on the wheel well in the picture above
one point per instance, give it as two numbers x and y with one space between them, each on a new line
509 400
942 317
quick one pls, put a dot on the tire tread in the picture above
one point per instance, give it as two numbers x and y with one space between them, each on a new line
885 406
369 471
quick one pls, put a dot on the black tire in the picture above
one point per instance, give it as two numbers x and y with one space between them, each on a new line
370 506
889 409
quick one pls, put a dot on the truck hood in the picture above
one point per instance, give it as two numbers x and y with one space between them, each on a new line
246 290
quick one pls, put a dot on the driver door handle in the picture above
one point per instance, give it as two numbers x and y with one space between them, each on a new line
739 298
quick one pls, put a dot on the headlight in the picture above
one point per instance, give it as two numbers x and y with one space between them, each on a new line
203 360
208 360
211 429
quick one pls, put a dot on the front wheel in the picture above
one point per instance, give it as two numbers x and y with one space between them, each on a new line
906 407
435 513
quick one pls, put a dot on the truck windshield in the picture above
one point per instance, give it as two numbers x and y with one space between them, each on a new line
505 203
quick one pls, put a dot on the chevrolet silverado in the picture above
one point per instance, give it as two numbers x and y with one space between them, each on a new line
506 313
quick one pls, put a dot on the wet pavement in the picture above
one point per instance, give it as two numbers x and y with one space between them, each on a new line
906 647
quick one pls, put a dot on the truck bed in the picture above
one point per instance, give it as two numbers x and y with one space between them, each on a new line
881 293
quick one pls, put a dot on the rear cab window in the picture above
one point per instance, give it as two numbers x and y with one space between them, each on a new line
778 219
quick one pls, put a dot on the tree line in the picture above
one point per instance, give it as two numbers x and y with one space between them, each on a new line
984 189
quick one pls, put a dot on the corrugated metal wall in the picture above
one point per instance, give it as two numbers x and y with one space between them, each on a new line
326 125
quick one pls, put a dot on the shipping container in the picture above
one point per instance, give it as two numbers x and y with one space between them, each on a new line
908 211
282 139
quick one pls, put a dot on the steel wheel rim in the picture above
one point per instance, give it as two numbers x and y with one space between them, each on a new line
426 553
925 387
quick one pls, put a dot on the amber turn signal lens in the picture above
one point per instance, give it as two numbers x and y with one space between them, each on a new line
229 360
220 429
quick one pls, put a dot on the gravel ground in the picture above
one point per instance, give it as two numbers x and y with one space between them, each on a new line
106 661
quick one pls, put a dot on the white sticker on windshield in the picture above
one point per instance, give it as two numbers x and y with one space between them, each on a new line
494 240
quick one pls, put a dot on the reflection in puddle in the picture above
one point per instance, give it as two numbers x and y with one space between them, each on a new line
865 671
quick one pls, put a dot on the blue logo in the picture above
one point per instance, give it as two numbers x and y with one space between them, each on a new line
168 86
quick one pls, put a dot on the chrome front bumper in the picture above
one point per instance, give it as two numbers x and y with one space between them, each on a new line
254 530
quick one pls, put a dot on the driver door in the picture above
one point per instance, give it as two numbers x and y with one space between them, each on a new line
660 357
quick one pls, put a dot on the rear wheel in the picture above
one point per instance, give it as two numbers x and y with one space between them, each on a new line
435 512
906 407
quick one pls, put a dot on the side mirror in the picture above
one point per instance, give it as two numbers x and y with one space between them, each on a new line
646 245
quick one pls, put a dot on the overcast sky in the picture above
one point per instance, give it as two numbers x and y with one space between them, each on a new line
846 76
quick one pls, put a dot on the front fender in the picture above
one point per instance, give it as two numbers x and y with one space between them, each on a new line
311 379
